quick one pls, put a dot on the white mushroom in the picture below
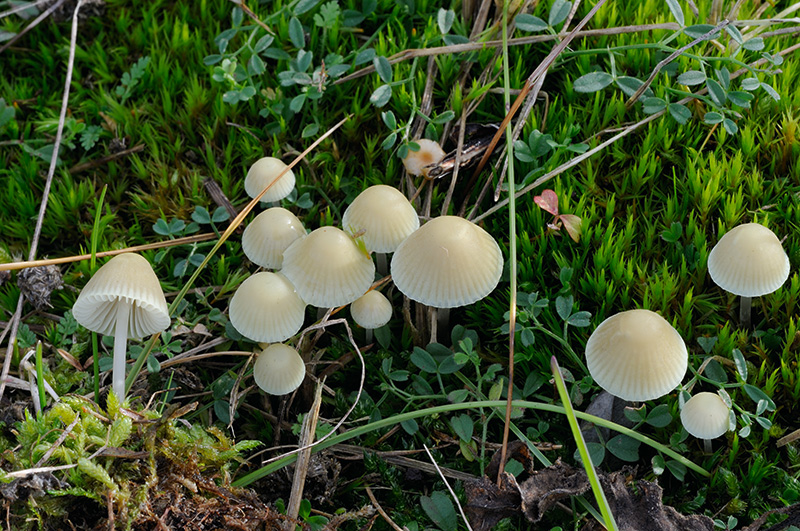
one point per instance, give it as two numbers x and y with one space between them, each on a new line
123 299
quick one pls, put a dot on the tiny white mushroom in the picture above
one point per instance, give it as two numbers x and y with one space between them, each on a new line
279 369
263 172
429 152
706 416
269 234
370 311
266 308
122 299
748 261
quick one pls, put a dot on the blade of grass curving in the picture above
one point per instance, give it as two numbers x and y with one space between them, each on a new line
512 244
234 224
438 410
594 481
92 264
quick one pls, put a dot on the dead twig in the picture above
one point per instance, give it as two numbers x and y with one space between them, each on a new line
449 488
103 160
48 182
36 22
380 510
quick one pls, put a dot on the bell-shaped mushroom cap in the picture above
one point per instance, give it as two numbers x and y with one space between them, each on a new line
266 308
263 172
636 355
705 416
446 263
429 152
384 214
371 310
269 234
279 369
327 268
125 279
749 261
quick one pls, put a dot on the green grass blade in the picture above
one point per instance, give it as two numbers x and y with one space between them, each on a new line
597 489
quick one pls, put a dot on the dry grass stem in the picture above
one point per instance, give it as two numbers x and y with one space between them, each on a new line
449 488
304 457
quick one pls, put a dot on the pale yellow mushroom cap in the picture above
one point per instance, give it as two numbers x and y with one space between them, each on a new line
430 152
263 172
371 310
749 261
327 268
384 214
279 369
269 234
705 416
636 355
266 308
125 279
446 263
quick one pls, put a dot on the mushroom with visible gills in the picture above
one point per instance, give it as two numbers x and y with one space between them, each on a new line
266 308
122 299
706 416
748 261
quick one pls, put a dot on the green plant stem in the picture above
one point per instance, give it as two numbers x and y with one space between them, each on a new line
437 410
40 378
591 473
512 238
92 264
137 366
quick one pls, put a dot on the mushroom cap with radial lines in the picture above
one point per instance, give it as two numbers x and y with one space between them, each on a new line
705 415
636 355
279 369
384 214
269 234
327 268
126 278
748 261
264 171
371 310
266 308
429 152
446 263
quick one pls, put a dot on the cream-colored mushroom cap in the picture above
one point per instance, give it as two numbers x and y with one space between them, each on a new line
126 279
705 416
636 355
371 310
429 152
384 214
263 172
269 234
266 308
446 263
327 268
749 261
279 369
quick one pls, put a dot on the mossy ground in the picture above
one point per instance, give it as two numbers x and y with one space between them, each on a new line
652 206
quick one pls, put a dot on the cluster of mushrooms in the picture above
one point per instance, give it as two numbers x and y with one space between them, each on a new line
448 262
637 355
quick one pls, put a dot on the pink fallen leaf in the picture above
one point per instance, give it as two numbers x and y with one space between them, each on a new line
548 201
573 225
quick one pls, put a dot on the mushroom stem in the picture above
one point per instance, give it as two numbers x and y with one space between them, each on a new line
434 323
120 350
368 335
381 266
707 445
745 304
